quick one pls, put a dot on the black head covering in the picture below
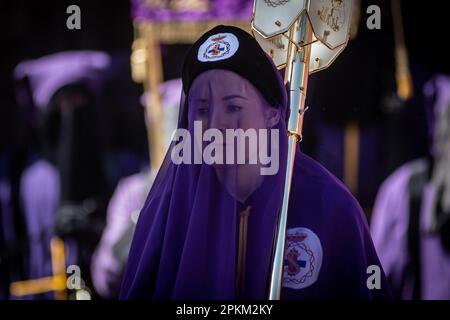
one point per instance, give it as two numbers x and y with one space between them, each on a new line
228 48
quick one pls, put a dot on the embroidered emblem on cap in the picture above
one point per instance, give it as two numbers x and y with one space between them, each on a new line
302 260
218 47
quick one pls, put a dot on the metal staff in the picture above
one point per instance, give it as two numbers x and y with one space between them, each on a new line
297 74
304 36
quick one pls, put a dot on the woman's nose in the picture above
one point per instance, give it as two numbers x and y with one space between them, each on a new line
220 120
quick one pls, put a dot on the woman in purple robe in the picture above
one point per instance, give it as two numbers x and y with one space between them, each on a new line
207 228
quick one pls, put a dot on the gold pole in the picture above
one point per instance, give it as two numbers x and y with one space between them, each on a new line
351 156
403 74
154 112
297 73
59 268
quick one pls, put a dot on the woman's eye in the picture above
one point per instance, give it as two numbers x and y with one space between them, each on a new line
234 108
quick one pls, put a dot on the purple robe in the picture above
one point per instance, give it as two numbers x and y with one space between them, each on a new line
390 233
323 205
40 198
186 240
407 238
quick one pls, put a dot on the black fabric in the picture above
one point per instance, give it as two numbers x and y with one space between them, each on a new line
256 67
416 185
443 221
3 267
70 138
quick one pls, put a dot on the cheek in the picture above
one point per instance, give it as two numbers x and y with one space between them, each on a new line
252 120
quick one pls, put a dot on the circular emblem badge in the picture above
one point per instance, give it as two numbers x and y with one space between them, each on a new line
303 258
218 47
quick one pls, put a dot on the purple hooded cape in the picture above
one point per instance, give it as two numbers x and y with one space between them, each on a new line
187 237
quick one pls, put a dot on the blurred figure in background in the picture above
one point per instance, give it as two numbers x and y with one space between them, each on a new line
12 240
110 257
411 221
64 190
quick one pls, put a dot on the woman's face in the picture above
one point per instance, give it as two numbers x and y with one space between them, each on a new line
223 100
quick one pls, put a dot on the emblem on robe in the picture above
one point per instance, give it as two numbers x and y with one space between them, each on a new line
302 260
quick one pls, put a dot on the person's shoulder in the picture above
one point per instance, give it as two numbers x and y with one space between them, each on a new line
39 168
323 180
332 201
392 200
137 183
399 179
41 177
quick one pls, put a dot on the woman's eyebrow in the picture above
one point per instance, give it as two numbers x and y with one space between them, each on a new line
233 96
201 100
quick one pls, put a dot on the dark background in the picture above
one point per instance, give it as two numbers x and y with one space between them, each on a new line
31 29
